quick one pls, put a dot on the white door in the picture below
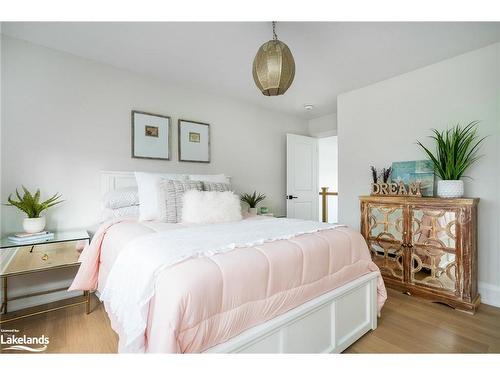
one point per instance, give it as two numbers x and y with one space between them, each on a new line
302 177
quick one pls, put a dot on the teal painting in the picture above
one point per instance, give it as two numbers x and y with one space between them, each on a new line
415 171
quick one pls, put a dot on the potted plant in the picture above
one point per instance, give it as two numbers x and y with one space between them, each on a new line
252 200
456 150
30 204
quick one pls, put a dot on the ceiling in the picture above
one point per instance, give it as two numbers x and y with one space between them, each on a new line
216 57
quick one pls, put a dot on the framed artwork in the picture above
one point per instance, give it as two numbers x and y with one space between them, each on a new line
415 171
150 136
194 141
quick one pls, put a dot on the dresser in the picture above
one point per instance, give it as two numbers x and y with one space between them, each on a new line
425 247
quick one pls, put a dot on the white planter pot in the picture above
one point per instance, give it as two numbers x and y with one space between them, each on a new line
34 225
450 188
252 211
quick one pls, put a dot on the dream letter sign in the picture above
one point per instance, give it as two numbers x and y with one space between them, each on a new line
396 188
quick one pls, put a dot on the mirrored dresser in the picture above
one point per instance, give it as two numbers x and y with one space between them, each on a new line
425 246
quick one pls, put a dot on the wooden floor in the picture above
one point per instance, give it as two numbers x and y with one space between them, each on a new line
412 325
407 325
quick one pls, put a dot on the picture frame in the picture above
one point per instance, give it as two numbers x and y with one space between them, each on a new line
194 141
420 171
151 136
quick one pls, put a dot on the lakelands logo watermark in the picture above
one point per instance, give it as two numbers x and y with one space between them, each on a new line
11 340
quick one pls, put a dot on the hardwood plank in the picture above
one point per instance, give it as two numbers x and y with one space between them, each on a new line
407 325
71 330
419 326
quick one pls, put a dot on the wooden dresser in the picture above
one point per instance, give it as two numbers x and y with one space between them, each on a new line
425 246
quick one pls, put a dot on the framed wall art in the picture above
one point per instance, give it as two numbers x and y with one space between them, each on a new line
421 171
194 141
150 136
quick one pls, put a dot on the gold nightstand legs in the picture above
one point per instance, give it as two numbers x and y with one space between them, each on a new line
3 309
88 306
87 301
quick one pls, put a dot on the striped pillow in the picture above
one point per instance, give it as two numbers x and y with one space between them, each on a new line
216 186
171 200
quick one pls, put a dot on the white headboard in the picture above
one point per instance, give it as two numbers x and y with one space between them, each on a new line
112 180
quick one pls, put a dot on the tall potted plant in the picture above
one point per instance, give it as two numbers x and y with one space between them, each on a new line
456 150
252 200
30 204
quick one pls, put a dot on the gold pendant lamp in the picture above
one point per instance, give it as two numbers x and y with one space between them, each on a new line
273 67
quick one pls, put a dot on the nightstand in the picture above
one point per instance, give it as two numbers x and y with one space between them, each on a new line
40 256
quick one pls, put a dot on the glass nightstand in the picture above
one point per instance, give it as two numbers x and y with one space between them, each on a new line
17 260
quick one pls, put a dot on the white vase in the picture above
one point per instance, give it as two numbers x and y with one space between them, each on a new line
252 210
450 188
34 225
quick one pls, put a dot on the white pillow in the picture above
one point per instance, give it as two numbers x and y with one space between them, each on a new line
129 211
149 193
209 207
210 178
119 198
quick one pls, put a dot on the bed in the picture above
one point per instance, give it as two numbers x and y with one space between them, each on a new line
314 292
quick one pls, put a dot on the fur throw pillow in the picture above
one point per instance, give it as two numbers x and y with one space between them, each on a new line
209 207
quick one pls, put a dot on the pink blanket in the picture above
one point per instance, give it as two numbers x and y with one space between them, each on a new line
205 301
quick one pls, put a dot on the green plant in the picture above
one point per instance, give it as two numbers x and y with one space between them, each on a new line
30 203
252 199
456 150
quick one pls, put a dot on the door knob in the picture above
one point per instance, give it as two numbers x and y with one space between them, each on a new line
291 197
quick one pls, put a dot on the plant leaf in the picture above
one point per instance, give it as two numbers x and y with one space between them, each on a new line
456 150
30 203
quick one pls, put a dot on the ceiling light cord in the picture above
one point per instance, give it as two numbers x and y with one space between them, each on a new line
275 37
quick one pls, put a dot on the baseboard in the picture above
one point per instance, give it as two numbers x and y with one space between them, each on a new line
490 294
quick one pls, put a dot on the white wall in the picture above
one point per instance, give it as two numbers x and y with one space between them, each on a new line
328 174
380 123
66 118
324 126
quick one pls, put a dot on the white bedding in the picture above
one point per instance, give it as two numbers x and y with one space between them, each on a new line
131 281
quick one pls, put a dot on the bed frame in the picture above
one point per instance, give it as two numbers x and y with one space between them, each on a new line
327 324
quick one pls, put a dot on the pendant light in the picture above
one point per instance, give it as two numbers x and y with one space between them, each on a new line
273 67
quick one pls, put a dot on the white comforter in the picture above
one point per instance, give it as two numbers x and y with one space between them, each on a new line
131 281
